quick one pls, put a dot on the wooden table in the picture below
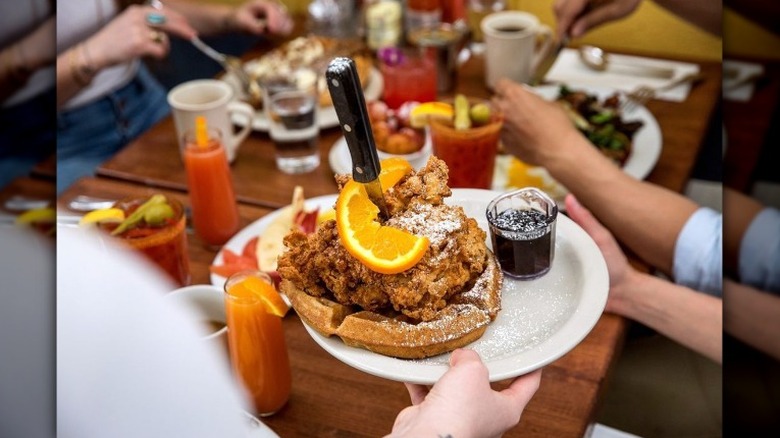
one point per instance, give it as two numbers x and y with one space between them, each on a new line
27 187
333 399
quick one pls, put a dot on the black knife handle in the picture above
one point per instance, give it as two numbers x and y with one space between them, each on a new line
347 96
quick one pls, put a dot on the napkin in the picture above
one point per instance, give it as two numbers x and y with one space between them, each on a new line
739 79
570 70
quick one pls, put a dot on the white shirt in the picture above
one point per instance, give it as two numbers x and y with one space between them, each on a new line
698 253
78 20
759 252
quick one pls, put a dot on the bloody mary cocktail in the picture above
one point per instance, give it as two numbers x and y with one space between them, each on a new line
258 352
470 154
163 242
214 208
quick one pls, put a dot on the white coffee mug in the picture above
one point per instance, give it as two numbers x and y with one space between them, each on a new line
212 99
514 44
207 304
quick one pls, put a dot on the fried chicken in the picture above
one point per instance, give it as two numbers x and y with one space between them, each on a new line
321 266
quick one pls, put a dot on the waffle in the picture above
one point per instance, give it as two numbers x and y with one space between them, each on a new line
462 321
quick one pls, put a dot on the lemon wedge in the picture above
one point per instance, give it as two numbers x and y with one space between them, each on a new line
104 215
38 215
420 114
326 215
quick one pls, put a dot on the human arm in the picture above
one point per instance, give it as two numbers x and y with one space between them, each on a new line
255 17
26 55
580 16
462 404
540 133
126 37
689 317
752 316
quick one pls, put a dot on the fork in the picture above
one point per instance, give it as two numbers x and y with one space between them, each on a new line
231 64
641 95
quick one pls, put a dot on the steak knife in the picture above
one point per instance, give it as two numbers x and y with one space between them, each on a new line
350 105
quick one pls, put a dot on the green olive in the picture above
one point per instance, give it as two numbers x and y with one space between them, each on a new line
156 214
480 113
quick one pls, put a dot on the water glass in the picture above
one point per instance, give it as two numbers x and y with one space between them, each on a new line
291 109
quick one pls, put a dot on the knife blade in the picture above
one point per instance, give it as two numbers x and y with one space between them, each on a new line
548 60
349 102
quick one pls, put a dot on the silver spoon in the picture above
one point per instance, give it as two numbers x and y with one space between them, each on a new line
597 59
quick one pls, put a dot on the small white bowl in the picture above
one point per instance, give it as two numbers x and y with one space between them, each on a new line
207 302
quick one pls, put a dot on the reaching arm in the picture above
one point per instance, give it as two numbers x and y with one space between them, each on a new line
21 59
577 17
752 316
691 318
254 17
645 217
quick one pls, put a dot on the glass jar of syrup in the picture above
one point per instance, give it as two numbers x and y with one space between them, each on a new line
522 229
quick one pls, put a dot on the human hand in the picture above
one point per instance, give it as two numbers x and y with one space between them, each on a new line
576 17
621 274
463 404
534 129
129 36
261 16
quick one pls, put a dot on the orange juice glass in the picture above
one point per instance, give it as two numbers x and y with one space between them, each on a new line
258 351
469 154
166 246
214 208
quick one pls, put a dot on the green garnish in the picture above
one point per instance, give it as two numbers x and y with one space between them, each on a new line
138 215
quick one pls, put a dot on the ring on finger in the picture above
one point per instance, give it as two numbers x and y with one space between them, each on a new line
155 19
157 36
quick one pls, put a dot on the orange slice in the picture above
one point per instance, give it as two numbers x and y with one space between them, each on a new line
393 170
382 249
422 113
255 287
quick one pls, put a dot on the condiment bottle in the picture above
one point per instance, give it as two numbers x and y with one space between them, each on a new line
421 14
383 25
214 208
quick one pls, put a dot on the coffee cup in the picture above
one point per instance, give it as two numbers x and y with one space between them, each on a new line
214 100
514 44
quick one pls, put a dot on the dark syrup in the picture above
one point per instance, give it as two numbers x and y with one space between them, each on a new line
524 242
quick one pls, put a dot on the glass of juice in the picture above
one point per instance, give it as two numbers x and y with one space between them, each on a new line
409 76
258 352
164 243
522 230
214 209
470 154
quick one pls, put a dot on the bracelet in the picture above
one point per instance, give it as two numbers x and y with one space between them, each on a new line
15 71
75 71
88 67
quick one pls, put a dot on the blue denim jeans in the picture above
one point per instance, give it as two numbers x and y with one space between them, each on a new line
91 134
27 135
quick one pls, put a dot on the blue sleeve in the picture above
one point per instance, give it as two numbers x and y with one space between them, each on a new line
698 253
759 252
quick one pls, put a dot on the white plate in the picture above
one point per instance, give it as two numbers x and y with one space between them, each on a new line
341 162
326 117
540 321
647 142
